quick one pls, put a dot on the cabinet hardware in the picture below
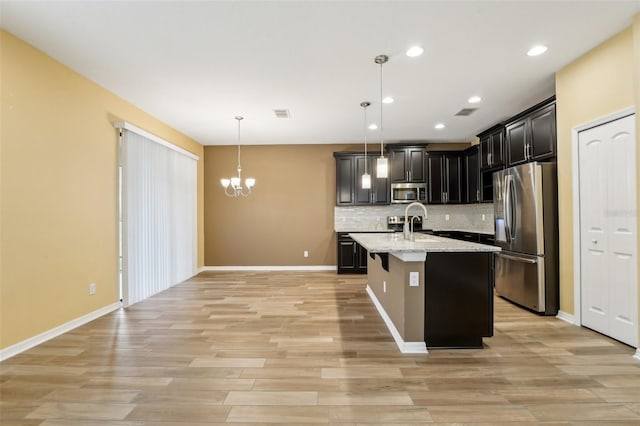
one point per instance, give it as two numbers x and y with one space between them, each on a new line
595 241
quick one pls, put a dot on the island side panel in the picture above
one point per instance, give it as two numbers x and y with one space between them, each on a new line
413 297
388 293
403 304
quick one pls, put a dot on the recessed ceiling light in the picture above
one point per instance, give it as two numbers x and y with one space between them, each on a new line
373 126
414 51
388 100
439 126
474 99
537 50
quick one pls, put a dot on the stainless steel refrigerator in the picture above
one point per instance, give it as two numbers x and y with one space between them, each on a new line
526 227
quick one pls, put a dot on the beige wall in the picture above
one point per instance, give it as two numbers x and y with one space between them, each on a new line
636 74
58 191
289 211
599 83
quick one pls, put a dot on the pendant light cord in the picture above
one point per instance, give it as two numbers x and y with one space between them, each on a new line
364 127
381 126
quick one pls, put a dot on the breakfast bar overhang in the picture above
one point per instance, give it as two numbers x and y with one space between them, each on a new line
432 292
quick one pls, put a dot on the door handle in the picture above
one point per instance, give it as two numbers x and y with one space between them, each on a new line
594 241
517 259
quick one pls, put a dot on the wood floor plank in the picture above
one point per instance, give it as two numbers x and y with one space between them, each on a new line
268 348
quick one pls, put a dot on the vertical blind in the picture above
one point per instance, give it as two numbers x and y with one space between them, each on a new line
159 216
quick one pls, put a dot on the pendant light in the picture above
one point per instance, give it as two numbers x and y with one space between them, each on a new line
233 186
366 177
382 164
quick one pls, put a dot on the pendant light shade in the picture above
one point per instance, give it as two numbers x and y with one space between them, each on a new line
366 177
233 186
382 165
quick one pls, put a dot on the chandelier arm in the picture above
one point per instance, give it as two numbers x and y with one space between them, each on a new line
226 192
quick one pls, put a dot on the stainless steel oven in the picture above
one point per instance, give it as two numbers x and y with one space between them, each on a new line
408 192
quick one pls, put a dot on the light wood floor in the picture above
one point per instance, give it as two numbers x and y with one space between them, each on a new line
304 348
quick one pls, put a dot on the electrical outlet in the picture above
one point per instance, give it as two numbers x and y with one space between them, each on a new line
92 289
384 286
483 218
446 217
306 253
414 279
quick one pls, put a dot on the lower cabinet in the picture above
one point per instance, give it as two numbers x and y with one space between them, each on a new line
352 257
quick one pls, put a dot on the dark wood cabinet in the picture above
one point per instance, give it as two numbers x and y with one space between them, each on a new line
444 178
345 181
352 257
492 148
349 170
471 187
531 136
451 290
407 164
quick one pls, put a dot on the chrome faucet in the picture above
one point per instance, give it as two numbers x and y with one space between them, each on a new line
408 227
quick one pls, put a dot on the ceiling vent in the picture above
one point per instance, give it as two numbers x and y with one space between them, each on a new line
466 111
281 113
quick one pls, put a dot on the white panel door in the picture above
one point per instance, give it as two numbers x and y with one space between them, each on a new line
608 226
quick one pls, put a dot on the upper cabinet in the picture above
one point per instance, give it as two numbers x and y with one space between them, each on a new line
407 164
492 148
445 178
471 169
531 136
349 170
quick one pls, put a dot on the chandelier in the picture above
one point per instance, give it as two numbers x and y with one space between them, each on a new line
233 186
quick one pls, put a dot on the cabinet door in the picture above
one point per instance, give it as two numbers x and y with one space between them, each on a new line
346 256
497 148
344 181
397 164
472 176
362 196
361 254
516 142
380 186
543 133
415 164
435 184
485 152
453 179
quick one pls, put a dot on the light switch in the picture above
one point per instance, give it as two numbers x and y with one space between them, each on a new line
414 279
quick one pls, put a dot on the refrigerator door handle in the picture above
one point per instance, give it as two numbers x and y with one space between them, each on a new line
506 208
517 259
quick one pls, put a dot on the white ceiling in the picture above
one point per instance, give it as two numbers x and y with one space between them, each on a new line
196 65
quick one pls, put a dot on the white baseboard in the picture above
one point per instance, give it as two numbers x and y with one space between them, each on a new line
637 355
269 268
405 347
29 343
567 317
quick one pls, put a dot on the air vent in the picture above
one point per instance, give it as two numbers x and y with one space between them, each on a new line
466 111
281 113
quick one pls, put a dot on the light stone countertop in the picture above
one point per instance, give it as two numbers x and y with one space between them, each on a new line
411 251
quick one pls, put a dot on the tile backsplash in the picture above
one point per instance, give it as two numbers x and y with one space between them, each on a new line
463 217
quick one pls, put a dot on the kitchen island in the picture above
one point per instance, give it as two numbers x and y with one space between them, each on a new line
432 292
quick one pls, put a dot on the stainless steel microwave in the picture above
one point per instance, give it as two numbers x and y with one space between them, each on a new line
408 192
